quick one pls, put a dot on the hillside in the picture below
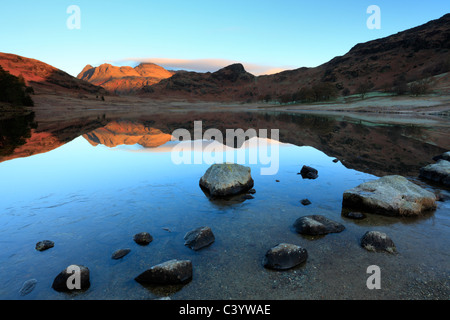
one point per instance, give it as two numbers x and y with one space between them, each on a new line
45 78
387 64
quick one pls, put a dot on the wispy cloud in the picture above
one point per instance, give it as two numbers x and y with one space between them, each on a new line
203 65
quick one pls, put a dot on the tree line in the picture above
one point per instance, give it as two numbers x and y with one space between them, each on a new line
13 90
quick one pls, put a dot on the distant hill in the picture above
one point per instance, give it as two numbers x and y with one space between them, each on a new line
124 80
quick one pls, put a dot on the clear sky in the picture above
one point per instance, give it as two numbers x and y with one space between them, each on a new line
263 35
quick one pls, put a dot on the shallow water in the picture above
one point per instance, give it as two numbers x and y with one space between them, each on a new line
91 200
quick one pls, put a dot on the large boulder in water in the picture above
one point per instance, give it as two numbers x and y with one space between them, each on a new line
438 172
226 179
390 195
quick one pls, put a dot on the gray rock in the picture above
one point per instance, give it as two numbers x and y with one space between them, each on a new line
444 156
118 254
226 179
44 245
390 195
438 172
317 225
377 241
284 256
199 238
169 272
27 287
143 238
60 282
309 173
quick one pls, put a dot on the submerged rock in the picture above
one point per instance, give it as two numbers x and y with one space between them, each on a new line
377 241
27 287
169 272
317 225
79 279
44 245
390 195
119 254
355 215
309 173
226 179
199 238
143 238
438 172
305 202
284 256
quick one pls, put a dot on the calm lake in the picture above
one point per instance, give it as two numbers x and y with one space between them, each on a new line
90 184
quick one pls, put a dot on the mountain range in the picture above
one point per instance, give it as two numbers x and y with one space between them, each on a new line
124 80
384 64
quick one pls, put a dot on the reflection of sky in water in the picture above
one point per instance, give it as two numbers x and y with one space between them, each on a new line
91 200
79 167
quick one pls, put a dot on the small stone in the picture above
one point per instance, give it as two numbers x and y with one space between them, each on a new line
199 238
118 254
44 245
305 202
335 160
169 272
252 191
143 238
27 287
284 256
355 215
309 173
317 225
377 241
61 283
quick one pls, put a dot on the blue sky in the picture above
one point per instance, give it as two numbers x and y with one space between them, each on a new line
263 35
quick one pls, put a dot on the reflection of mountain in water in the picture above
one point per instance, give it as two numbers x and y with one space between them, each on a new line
14 132
126 132
368 147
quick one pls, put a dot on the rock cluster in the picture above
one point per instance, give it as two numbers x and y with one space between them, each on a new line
393 195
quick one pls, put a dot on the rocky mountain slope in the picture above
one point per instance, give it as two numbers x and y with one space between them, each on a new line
124 80
43 77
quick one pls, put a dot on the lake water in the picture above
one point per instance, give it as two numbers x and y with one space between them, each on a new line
91 186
